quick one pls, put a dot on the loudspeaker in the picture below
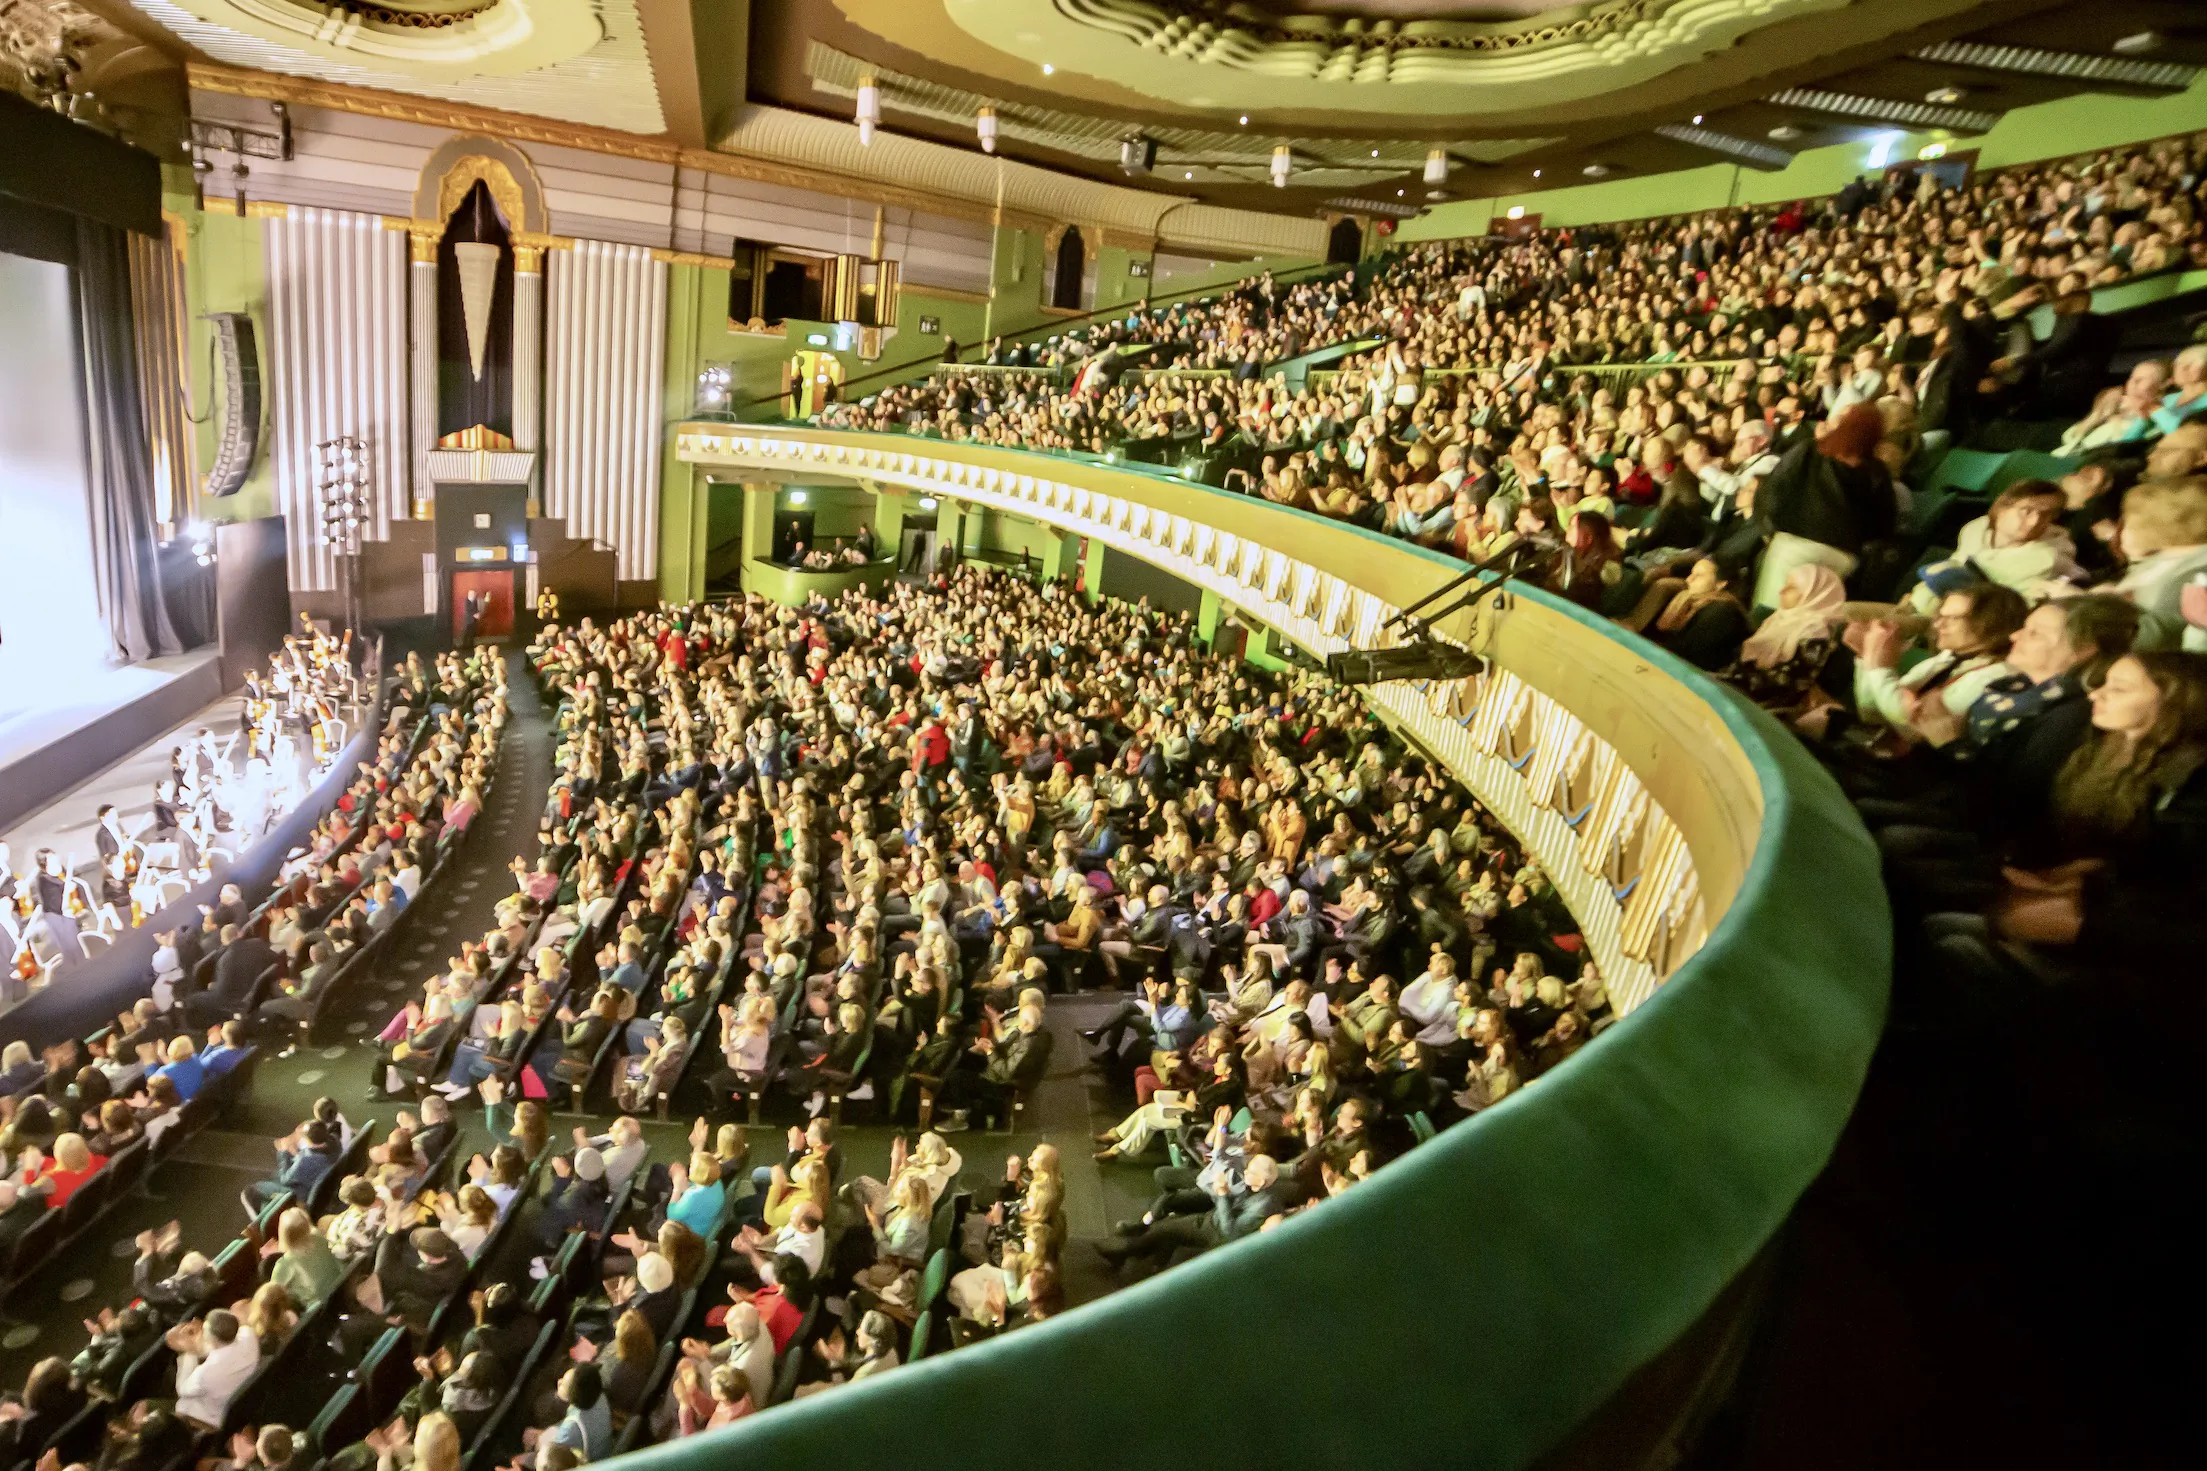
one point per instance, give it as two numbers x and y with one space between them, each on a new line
1137 155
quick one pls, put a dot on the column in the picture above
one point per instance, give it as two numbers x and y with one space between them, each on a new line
421 300
1208 616
1092 569
890 507
758 526
1057 554
528 361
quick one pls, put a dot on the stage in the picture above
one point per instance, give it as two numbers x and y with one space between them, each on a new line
88 723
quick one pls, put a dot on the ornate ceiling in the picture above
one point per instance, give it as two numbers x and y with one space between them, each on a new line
1518 94
1597 89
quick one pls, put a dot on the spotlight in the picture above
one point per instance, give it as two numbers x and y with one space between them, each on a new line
1048 70
1436 166
869 109
1283 162
984 123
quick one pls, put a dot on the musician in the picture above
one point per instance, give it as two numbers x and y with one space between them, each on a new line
50 888
109 836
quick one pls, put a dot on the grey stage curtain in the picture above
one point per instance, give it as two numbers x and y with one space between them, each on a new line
125 552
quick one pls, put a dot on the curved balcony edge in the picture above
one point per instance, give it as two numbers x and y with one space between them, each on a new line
1480 1297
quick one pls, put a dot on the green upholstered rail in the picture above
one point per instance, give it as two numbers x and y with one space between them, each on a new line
1477 1299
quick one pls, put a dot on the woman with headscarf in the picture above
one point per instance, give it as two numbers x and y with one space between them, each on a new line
1780 661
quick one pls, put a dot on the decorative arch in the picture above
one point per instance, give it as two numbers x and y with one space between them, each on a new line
504 170
1089 239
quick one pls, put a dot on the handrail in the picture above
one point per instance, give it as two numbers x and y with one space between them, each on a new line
1294 275
1651 1169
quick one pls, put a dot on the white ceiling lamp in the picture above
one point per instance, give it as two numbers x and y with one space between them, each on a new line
2141 43
1945 96
1697 119
1436 166
869 109
1784 133
1597 171
1283 162
1048 70
984 123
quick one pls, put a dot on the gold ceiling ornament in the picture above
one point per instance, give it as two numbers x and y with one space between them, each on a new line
434 41
1184 23
474 168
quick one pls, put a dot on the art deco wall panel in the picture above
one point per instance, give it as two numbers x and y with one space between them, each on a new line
605 334
337 366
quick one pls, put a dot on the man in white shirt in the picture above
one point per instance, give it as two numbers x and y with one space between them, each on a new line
802 1238
214 1357
622 1148
1430 1001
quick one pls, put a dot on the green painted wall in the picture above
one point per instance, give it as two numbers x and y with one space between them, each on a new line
2048 130
837 510
225 271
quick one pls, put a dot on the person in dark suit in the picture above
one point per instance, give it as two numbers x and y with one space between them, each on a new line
239 964
1016 1061
2057 378
1230 1218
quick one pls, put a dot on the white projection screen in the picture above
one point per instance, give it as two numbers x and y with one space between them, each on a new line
50 634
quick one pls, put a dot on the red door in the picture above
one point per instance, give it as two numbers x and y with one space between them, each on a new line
493 603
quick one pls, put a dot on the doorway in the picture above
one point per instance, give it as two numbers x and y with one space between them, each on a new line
482 605
1072 265
792 529
1345 242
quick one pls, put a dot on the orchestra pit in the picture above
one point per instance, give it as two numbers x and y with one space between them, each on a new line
1304 733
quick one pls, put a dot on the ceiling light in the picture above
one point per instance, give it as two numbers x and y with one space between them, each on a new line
1785 133
798 497
1945 96
869 109
1189 174
1398 194
1517 211
1536 173
984 123
1697 119
2139 44
1436 166
1048 70
1283 159
1245 119
1597 171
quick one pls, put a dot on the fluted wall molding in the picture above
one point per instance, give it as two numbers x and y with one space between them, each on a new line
422 338
337 326
605 337
528 355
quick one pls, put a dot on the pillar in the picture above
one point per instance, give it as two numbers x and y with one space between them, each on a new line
421 302
890 508
528 361
1058 548
758 521
1208 616
1092 569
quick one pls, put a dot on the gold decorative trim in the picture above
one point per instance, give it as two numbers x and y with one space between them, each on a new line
266 209
692 258
944 293
528 260
474 168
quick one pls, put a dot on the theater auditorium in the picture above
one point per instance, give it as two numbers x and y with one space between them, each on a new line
1102 733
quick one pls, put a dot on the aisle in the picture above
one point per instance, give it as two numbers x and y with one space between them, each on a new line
201 1182
460 908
